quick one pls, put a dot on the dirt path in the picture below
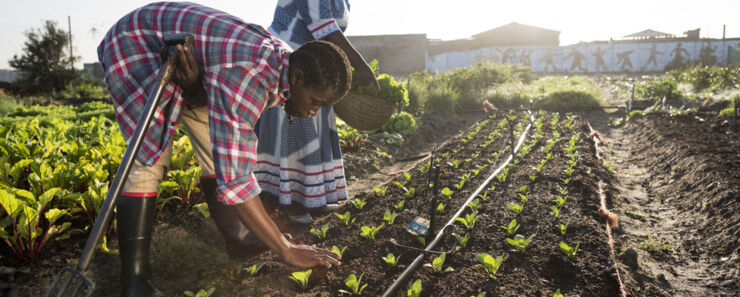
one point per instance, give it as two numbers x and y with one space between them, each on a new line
663 209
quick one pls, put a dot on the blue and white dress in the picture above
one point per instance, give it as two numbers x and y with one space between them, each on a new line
300 160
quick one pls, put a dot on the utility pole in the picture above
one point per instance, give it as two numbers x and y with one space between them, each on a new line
71 56
724 29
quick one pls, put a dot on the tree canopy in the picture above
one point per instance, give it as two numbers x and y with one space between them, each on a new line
44 65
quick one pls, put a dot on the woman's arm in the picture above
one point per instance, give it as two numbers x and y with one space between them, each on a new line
363 73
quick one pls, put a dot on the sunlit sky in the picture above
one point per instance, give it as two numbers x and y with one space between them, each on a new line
577 20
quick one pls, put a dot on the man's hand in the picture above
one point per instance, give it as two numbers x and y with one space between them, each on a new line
187 72
304 256
365 76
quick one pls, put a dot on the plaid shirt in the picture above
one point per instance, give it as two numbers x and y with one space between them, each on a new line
245 71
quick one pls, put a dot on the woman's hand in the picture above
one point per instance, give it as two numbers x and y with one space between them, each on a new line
365 76
304 256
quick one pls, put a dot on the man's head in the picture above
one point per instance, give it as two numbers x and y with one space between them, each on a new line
320 75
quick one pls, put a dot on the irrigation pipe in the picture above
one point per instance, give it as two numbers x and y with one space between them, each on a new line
602 201
408 272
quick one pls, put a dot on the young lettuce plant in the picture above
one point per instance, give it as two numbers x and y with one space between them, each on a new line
353 284
555 211
490 264
557 294
415 289
358 203
519 242
399 206
563 229
440 207
369 232
523 198
462 241
338 251
447 193
389 216
410 193
560 201
516 208
512 227
320 233
481 294
380 190
469 220
474 205
201 293
392 260
483 196
570 251
422 240
252 270
301 278
345 218
438 264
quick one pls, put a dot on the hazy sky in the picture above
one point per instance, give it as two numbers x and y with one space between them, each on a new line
577 20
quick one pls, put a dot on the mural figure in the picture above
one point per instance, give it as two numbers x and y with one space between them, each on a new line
524 57
706 54
577 60
624 60
508 54
653 55
548 61
678 52
598 54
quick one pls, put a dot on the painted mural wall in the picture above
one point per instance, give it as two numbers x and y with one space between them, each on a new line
615 57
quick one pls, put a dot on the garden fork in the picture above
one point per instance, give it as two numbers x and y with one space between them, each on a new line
72 281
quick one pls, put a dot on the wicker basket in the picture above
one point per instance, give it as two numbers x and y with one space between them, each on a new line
363 112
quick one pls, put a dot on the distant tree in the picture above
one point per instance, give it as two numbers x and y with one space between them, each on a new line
45 66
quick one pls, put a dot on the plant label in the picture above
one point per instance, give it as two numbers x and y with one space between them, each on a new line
418 227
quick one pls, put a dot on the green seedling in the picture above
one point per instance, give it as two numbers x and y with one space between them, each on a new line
345 218
401 186
353 284
320 233
369 232
555 211
462 241
481 294
563 191
381 190
440 207
407 176
516 208
483 196
252 270
565 181
523 190
532 178
447 193
653 246
201 293
490 264
523 198
392 260
512 227
438 264
415 289
389 216
519 242
410 193
454 164
560 201
301 278
474 205
569 171
469 220
570 251
399 206
338 251
358 203
557 294
563 229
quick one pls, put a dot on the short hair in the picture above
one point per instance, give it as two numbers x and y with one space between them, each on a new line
324 65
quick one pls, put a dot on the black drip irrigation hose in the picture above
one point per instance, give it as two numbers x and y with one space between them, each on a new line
409 271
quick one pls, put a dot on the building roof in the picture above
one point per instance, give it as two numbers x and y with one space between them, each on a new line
513 27
649 34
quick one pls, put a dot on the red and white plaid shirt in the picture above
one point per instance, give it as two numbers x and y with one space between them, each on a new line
245 71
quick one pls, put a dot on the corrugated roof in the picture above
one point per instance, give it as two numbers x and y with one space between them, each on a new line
649 34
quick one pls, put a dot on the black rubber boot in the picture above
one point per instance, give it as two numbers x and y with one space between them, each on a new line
135 221
240 243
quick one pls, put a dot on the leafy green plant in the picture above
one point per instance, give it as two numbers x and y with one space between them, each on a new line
345 218
563 229
555 211
563 191
399 206
415 289
653 245
337 250
532 178
301 278
438 264
392 260
358 203
389 216
469 220
557 294
481 294
523 198
474 205
253 269
320 233
570 251
519 242
380 190
447 193
560 201
565 181
516 208
353 284
440 207
454 164
369 232
410 193
462 241
483 196
490 264
512 227
201 293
